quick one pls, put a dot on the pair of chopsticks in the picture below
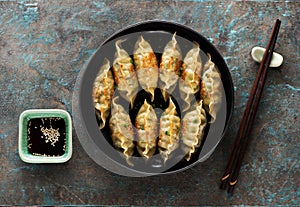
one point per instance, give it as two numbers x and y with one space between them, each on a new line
235 162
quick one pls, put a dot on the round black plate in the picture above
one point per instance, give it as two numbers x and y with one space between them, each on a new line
97 143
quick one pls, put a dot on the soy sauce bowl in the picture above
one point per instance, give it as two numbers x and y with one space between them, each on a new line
45 136
97 143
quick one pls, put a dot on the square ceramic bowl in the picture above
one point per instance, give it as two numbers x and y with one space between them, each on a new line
45 136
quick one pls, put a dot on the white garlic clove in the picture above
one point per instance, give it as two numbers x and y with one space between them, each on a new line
257 54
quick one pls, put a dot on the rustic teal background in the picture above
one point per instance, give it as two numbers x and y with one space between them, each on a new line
43 46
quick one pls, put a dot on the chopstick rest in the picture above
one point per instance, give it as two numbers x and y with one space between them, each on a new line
257 54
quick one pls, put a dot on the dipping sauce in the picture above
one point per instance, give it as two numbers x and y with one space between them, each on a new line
46 136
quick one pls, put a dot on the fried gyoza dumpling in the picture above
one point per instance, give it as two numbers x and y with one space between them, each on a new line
211 89
146 66
124 74
121 129
103 91
171 61
146 125
192 131
169 130
189 83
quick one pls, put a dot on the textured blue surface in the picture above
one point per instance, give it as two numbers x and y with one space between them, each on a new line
43 46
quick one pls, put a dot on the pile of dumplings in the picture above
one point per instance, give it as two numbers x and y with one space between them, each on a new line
149 133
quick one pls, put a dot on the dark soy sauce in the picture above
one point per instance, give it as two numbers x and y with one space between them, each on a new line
46 136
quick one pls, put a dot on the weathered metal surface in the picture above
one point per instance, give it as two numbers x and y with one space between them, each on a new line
44 45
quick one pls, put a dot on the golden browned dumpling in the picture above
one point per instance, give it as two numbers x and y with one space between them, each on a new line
124 74
192 131
189 83
103 91
146 126
169 131
211 89
121 129
146 66
170 64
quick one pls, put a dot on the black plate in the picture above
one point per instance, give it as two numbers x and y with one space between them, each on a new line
97 143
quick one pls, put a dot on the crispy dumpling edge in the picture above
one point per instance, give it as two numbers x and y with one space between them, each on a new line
124 91
210 92
103 74
170 68
189 150
192 66
173 142
148 149
115 125
144 49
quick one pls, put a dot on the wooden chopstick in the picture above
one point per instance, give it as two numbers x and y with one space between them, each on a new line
235 162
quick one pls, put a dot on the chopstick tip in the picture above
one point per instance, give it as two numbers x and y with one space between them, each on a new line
278 21
224 181
231 186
